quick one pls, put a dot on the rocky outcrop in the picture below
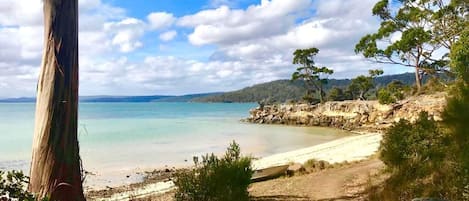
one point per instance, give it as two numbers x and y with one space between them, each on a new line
350 115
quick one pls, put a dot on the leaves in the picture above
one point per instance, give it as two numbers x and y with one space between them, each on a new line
215 179
415 33
312 76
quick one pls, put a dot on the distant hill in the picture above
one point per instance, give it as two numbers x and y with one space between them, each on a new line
285 90
111 99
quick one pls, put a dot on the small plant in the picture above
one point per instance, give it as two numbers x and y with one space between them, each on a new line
216 179
13 185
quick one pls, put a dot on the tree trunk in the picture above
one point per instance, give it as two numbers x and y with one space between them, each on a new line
418 78
56 165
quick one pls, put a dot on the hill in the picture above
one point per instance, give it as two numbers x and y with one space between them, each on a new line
285 90
116 99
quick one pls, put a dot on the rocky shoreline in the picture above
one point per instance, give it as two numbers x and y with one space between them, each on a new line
350 115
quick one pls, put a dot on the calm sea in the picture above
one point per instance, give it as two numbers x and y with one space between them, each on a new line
133 135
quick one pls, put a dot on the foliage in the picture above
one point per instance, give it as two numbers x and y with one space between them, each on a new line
281 91
385 97
433 85
392 93
460 56
216 179
417 23
337 94
419 160
312 76
13 185
456 118
362 84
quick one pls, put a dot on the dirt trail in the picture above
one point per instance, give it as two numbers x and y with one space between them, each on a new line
342 183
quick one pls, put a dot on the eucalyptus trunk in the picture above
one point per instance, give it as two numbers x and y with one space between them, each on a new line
56 170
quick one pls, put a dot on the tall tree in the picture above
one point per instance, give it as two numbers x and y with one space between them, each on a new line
56 165
313 76
406 36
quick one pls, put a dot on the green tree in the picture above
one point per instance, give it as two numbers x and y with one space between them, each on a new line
460 57
416 46
337 94
456 113
312 75
362 84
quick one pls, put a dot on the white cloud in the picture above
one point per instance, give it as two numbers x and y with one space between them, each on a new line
249 36
168 36
25 13
160 20
126 33
227 26
250 46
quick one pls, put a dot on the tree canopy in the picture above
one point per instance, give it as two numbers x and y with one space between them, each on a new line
415 34
314 77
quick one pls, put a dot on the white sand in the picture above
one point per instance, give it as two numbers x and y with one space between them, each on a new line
349 149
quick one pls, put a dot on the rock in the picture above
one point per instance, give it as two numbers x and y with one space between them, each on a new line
349 115
295 169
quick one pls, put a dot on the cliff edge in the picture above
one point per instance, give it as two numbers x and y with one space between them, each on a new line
350 115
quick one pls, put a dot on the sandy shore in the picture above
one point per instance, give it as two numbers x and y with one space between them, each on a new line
353 148
349 149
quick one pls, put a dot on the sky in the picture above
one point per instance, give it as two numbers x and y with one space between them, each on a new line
175 47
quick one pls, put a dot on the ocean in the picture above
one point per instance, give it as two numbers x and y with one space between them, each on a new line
129 136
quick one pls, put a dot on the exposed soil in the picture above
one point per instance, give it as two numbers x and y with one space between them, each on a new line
347 182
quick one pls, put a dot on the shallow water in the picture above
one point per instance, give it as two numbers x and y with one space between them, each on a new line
125 136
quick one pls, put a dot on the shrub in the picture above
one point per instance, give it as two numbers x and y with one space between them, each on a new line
385 97
337 94
216 179
419 159
13 185
392 93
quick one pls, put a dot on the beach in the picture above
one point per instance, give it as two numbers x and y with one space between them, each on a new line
352 148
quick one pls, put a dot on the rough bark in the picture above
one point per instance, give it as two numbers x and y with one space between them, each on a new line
56 166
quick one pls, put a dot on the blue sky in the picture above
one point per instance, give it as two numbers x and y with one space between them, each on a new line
145 47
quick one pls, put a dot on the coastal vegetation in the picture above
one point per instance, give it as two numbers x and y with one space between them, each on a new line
314 77
281 91
13 185
423 158
215 179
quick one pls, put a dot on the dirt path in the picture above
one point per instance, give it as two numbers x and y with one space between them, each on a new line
342 183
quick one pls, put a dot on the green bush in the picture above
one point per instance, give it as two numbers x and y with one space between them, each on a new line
216 179
336 94
393 92
420 161
13 185
385 97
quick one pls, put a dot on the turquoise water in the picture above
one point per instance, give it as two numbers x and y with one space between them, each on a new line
118 136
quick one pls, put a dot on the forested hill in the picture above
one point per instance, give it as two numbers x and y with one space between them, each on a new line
285 90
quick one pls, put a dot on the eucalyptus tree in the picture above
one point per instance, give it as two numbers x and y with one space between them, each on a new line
56 171
362 84
314 77
414 33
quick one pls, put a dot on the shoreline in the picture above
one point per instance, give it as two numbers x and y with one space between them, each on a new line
350 149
